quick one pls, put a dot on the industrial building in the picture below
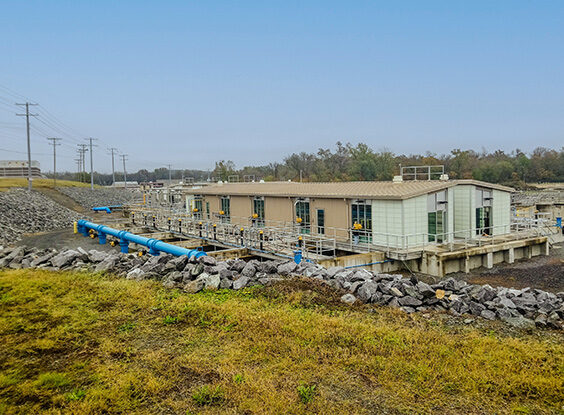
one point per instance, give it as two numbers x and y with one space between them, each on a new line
429 226
401 214
19 168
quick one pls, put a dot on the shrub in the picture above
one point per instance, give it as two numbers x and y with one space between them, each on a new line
208 395
306 393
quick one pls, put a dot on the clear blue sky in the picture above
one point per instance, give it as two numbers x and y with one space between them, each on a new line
189 83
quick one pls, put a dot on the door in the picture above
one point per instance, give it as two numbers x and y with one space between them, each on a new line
321 221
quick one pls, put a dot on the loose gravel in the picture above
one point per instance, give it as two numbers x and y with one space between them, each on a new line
30 212
89 198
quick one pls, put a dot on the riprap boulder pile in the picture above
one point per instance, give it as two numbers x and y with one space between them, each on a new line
30 212
525 308
89 198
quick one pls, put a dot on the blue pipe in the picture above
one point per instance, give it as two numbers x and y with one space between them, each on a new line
155 246
102 209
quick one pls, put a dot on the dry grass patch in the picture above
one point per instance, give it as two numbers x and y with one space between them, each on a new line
6 184
109 345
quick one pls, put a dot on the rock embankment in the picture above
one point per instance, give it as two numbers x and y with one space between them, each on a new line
30 212
524 308
89 198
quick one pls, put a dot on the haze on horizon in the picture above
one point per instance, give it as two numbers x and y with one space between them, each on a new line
190 83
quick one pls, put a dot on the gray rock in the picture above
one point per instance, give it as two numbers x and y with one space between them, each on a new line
196 270
208 260
348 299
195 286
488 314
409 301
366 291
331 272
287 268
396 292
65 258
241 282
96 256
425 289
136 274
211 282
249 271
520 322
107 264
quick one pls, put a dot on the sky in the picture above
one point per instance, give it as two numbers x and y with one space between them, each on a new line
189 83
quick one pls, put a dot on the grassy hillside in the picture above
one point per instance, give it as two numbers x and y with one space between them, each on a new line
39 183
87 344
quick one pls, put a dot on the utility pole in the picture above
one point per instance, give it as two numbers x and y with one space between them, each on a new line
113 151
124 157
82 149
54 144
78 163
91 164
27 115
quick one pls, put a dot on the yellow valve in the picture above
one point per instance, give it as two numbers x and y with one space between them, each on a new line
112 243
140 253
299 220
75 226
357 226
214 225
195 209
168 218
255 215
242 229
179 220
261 232
221 212
92 235
299 238
200 223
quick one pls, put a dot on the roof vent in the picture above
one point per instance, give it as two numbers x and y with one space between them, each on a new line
444 177
397 179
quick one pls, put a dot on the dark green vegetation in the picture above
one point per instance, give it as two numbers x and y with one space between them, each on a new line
90 344
361 162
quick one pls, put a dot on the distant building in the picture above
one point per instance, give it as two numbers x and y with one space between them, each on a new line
130 184
19 168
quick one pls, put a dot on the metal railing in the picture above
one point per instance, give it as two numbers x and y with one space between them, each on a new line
282 236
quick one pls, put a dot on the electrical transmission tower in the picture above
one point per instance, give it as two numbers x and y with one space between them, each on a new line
113 151
90 139
124 157
27 115
54 144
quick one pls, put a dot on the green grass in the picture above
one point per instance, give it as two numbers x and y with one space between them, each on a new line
90 344
6 184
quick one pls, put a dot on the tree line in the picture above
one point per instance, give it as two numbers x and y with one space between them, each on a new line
360 162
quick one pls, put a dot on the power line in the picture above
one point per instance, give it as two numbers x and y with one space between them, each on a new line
27 115
54 144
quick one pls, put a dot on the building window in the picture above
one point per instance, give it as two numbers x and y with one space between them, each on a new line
258 211
197 210
225 211
361 215
437 216
208 210
321 221
302 216
484 201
